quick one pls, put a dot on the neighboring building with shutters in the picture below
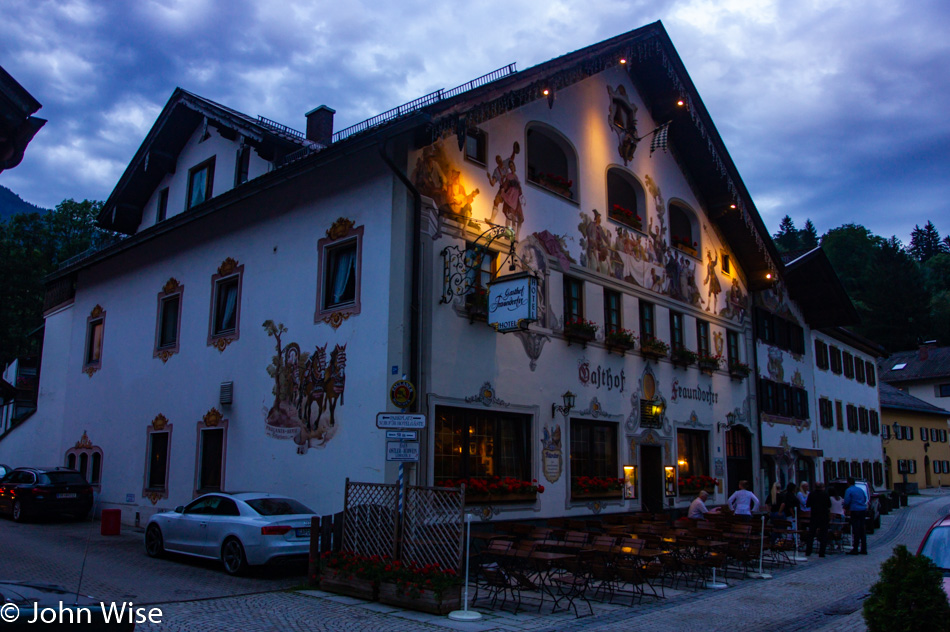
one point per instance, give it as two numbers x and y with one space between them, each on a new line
915 436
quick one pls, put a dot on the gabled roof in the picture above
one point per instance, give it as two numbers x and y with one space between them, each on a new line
816 288
926 363
159 152
896 399
17 127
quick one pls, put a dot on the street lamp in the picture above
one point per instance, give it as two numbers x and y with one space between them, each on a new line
568 398
729 423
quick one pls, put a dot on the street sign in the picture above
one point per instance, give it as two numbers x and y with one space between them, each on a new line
402 393
405 451
401 421
402 435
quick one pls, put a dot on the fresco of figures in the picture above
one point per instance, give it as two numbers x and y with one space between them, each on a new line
308 387
438 177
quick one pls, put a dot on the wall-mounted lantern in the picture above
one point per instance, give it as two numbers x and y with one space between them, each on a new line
565 410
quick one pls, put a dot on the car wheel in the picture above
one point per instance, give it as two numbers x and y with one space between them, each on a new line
232 556
154 543
18 514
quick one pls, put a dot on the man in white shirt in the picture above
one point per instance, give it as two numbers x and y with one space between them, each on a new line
697 508
743 502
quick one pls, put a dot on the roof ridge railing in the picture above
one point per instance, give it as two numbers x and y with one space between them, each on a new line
280 127
421 102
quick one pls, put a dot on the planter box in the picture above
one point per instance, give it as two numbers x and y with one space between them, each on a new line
450 600
500 499
652 353
335 582
738 375
578 335
619 347
687 249
615 494
708 367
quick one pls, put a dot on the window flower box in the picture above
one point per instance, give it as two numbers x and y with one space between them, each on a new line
654 348
554 183
626 216
692 485
685 245
739 370
497 490
709 363
620 340
579 330
597 487
683 357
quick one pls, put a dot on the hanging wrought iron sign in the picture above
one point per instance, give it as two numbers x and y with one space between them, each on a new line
513 302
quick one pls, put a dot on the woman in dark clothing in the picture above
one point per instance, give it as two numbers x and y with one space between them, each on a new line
790 501
820 504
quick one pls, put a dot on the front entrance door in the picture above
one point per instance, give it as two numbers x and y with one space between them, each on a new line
651 478
738 458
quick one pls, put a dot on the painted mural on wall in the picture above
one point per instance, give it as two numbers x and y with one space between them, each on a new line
437 177
622 118
551 452
308 387
509 198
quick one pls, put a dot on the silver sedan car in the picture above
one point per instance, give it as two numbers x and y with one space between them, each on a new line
241 530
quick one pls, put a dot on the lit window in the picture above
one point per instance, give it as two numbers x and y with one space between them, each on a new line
692 454
200 181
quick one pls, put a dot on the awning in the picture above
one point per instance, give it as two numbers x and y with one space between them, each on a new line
809 452
772 451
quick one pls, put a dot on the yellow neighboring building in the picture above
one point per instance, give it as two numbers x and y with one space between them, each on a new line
915 439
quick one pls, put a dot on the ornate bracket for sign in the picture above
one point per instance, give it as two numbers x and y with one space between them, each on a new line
461 267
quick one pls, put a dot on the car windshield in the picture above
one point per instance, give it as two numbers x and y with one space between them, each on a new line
62 478
277 506
937 547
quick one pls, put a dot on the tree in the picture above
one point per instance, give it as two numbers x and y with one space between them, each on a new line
908 596
896 299
786 239
33 245
808 236
925 242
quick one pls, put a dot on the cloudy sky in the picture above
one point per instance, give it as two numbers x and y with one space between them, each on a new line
832 110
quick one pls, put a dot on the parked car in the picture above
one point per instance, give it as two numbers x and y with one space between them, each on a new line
4 470
242 529
936 546
838 486
34 491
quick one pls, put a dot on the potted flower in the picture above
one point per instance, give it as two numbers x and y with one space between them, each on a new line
579 330
556 183
696 484
496 489
652 347
739 370
476 304
620 340
683 356
684 243
427 588
626 216
348 573
709 363
596 487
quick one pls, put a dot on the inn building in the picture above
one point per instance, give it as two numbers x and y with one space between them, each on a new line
559 268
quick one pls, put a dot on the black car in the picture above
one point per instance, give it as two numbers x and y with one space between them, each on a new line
838 486
34 491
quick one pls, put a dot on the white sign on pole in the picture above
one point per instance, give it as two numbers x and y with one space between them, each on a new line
401 421
403 435
405 451
512 302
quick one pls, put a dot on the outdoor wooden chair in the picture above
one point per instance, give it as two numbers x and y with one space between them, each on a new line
572 584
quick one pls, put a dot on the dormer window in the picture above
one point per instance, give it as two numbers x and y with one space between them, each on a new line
200 181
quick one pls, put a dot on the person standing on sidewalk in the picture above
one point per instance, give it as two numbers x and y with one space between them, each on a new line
856 501
819 503
743 502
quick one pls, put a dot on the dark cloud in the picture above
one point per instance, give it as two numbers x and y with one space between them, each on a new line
831 111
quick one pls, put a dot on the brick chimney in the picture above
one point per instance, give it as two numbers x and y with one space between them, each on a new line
320 125
924 351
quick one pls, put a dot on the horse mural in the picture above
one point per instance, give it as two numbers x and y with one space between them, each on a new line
307 390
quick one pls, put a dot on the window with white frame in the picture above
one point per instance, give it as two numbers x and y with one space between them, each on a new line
200 181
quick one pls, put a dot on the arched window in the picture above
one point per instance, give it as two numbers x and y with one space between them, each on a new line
684 233
626 202
551 161
71 461
82 456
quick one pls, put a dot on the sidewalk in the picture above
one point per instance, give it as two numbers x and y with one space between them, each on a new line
828 593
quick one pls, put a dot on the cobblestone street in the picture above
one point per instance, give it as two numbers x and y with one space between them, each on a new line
197 596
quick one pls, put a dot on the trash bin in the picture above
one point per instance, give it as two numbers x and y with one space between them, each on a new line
111 522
